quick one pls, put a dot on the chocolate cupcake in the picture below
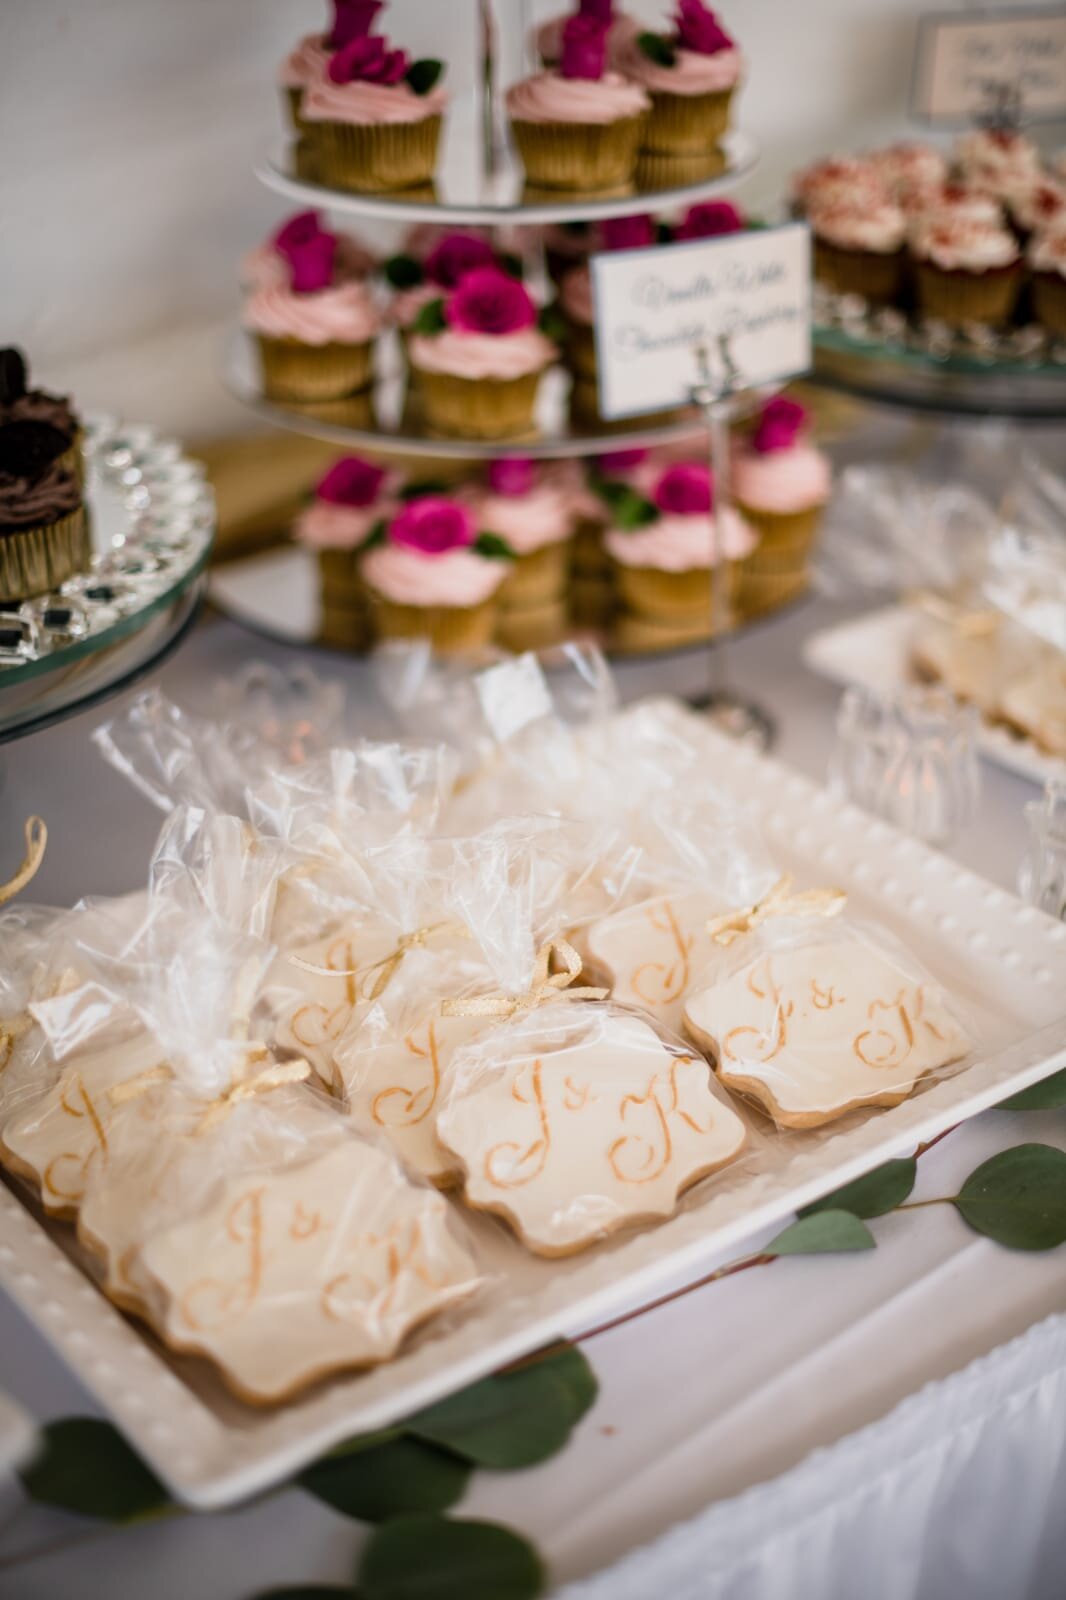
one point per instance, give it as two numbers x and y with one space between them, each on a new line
44 537
20 403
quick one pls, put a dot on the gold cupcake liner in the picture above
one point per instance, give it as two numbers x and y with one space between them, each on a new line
302 372
453 630
634 634
760 592
579 156
340 576
588 557
346 627
1049 301
291 100
306 154
657 169
687 123
532 627
786 535
353 411
960 298
592 601
579 348
669 596
877 277
478 408
537 577
37 560
377 158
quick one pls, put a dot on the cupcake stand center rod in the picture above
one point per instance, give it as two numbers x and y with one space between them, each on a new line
493 139
717 394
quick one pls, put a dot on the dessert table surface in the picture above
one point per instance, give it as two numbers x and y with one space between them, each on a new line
928 1376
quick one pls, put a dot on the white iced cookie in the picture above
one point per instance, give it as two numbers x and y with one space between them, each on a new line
63 1142
976 667
575 1142
320 986
821 1029
1036 706
645 953
290 1276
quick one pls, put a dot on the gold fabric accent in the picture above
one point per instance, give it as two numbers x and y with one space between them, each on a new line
387 968
36 840
970 624
545 985
276 1076
780 902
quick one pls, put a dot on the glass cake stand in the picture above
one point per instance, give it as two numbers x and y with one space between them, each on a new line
152 518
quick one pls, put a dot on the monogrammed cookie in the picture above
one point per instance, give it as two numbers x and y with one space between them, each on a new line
286 1277
578 1139
63 1141
820 1029
1035 705
645 953
320 986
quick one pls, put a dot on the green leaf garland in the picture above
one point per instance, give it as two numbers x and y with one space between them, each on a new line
873 1194
1048 1095
422 76
629 510
657 49
404 272
821 1234
437 1558
431 319
512 1419
493 547
1018 1198
391 1479
86 1466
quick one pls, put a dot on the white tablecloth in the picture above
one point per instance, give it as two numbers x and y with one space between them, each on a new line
957 1492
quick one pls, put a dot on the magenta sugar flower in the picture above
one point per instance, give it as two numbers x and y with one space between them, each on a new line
602 11
455 255
511 475
709 220
584 53
433 525
351 481
698 29
296 232
352 19
684 490
780 424
620 460
628 233
488 301
368 60
311 263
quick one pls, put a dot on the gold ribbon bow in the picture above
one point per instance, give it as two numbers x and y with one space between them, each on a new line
389 965
970 624
36 840
545 985
779 902
273 1076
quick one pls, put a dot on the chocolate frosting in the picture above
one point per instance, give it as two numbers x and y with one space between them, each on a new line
34 488
19 404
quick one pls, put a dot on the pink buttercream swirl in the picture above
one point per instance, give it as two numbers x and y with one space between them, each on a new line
306 64
343 313
692 72
325 526
786 478
544 515
408 578
483 355
549 97
681 544
370 104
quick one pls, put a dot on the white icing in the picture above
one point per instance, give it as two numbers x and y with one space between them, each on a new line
647 953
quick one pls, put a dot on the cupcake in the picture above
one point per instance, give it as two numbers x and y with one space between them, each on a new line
691 76
349 502
307 63
997 161
1037 207
948 202
376 118
859 249
531 508
661 541
575 291
19 403
314 328
1047 262
548 38
269 261
431 575
44 537
780 484
965 272
578 127
415 283
837 180
903 168
478 356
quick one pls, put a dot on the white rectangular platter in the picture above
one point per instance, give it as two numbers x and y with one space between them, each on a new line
1005 962
873 652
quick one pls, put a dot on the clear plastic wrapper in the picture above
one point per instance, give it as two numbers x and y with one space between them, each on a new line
1025 579
813 1014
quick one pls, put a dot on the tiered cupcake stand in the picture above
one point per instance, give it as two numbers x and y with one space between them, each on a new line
479 183
152 518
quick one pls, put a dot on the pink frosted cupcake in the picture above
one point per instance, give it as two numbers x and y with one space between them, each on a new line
1047 262
479 355
578 127
349 502
781 484
548 38
997 161
575 291
691 75
966 272
859 248
315 330
430 574
376 118
268 263
307 63
417 282
532 508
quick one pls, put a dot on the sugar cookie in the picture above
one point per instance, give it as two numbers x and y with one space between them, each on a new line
645 953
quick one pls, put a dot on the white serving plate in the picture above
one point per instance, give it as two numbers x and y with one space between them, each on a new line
1006 963
873 652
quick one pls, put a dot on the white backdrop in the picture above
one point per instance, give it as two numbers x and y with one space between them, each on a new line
129 128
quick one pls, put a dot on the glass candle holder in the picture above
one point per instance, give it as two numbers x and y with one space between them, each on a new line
1042 875
910 757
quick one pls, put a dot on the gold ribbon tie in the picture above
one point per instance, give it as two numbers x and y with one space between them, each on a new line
970 624
388 966
273 1076
779 902
545 985
36 840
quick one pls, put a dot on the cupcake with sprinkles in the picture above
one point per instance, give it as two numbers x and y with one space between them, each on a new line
966 272
859 249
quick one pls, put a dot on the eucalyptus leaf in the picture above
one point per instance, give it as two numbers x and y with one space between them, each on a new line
570 1367
873 1194
404 272
87 1467
376 536
388 1480
437 1558
493 547
422 76
1048 1095
629 510
822 1233
513 265
1018 1197
431 318
657 49
512 1419
552 324
421 487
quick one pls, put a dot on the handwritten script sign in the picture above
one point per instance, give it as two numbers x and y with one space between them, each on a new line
654 307
971 66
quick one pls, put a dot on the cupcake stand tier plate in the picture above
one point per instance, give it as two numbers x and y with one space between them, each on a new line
152 520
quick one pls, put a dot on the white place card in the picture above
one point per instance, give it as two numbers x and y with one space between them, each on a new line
655 307
974 64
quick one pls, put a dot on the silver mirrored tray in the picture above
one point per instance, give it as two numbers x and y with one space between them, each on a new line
464 193
152 517
382 420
